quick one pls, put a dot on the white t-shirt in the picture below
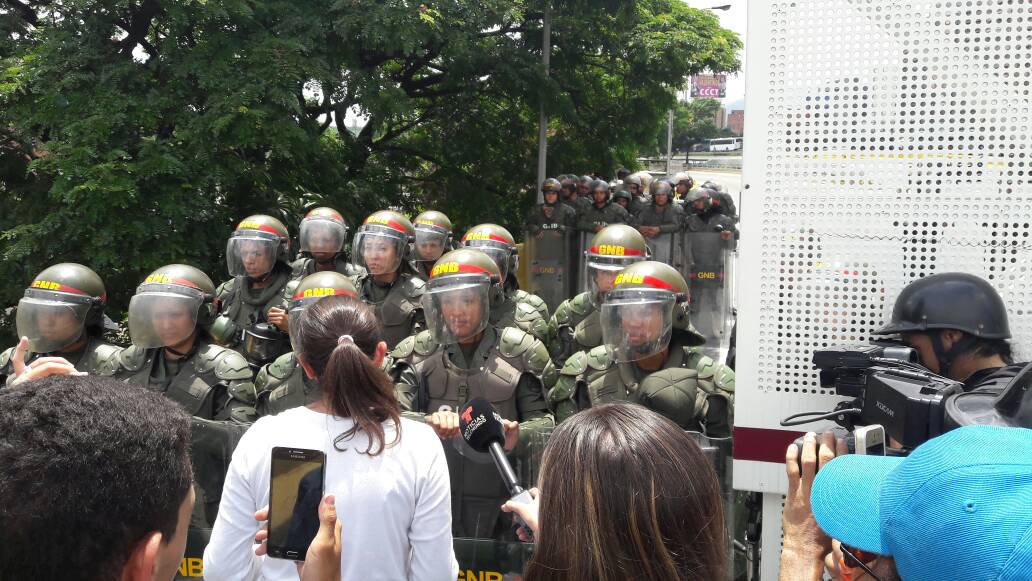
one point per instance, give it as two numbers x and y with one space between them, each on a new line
394 508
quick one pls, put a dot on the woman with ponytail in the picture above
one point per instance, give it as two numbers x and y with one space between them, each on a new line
387 476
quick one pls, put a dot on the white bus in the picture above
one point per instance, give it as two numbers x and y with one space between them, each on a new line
724 144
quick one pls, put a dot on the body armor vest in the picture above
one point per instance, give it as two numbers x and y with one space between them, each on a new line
400 312
192 387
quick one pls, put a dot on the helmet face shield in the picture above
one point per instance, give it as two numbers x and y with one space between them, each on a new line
49 322
162 317
499 252
431 243
637 323
379 249
600 273
322 236
457 307
251 253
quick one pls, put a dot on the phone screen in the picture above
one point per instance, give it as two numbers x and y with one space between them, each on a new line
295 492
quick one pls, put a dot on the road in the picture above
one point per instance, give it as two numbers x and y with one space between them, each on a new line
732 181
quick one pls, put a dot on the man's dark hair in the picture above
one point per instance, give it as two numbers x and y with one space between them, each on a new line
991 347
90 466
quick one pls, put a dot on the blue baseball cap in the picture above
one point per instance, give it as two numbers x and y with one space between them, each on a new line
958 507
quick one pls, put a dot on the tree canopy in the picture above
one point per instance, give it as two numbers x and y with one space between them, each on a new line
135 133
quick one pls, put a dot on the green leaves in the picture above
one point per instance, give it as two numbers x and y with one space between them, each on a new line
134 134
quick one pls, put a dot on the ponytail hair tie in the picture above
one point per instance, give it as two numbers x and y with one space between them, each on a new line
345 339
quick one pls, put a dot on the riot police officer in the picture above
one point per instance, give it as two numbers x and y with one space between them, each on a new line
683 185
460 357
623 198
172 352
496 242
250 319
282 384
570 194
62 314
433 238
575 323
323 233
381 246
722 201
958 325
703 216
650 357
632 184
662 216
602 212
551 214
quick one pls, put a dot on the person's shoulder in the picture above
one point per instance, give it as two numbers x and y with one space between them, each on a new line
419 440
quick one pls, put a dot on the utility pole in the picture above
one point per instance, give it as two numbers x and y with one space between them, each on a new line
546 53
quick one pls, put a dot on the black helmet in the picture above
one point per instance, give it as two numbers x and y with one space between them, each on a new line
952 300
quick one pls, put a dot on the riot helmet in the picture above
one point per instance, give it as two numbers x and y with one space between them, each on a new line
457 298
584 186
622 172
632 184
599 187
58 306
623 197
433 236
322 233
549 187
612 249
382 241
638 314
169 305
661 189
711 185
309 290
644 178
700 200
256 245
496 242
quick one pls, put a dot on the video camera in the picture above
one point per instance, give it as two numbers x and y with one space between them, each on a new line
888 388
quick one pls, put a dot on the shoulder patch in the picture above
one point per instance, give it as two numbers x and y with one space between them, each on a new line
132 358
289 288
575 364
598 358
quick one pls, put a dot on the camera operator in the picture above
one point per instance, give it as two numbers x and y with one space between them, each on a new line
957 323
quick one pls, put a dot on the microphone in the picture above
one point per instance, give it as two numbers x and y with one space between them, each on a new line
481 427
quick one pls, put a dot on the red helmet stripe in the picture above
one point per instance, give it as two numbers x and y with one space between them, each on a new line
626 252
336 291
480 236
462 269
659 283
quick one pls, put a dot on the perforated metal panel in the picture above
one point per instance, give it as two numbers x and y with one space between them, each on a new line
884 141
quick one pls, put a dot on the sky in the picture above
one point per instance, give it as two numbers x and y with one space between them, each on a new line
733 19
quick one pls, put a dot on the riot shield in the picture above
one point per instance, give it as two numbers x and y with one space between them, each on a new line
486 545
718 451
549 275
706 258
211 449
664 247
582 245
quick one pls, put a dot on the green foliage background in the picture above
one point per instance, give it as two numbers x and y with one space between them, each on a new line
135 133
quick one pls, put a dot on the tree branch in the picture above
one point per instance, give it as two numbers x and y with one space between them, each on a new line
26 12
